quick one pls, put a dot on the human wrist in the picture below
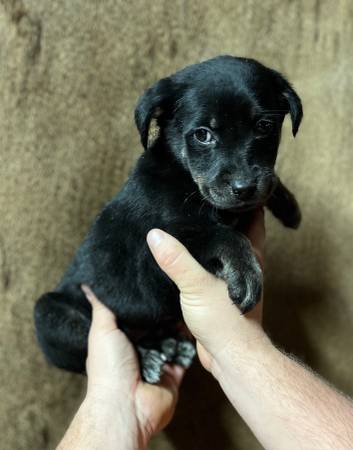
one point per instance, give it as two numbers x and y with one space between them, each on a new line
111 421
245 344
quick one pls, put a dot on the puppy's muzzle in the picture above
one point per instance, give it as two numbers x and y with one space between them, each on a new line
243 190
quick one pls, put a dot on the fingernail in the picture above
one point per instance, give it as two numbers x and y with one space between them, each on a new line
155 237
180 371
87 291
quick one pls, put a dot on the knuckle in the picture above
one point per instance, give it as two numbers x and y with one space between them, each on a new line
170 258
201 283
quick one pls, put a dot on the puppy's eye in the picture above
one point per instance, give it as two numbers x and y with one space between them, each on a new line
204 136
264 127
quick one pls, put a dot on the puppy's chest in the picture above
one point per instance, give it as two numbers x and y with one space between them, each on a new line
228 218
198 210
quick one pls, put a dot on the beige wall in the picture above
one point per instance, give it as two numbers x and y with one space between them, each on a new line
70 74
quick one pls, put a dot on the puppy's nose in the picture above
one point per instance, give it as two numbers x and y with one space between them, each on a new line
243 190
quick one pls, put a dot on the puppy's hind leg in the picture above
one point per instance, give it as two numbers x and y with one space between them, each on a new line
62 326
178 350
151 362
174 350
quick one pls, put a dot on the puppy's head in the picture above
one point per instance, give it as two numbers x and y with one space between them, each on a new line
221 119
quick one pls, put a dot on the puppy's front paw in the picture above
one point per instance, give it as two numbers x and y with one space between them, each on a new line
293 217
244 287
285 207
243 275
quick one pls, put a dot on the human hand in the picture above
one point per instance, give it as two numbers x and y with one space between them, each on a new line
207 310
115 387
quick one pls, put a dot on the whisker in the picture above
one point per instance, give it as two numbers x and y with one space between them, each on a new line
188 197
202 205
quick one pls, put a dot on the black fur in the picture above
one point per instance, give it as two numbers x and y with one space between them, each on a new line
195 190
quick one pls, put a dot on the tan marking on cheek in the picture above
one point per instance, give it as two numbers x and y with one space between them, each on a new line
153 132
200 181
153 129
213 123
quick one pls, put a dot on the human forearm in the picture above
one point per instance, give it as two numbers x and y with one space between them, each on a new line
284 403
95 428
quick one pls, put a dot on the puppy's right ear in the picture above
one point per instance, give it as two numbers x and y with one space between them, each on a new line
155 103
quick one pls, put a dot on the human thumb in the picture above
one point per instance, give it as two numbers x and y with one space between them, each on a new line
203 297
175 260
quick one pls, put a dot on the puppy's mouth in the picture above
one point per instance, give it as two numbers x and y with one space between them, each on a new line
223 201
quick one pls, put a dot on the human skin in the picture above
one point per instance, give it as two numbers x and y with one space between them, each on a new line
119 411
283 403
118 407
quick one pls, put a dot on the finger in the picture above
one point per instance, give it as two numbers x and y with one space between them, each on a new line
169 390
174 259
256 233
204 356
162 397
172 377
102 318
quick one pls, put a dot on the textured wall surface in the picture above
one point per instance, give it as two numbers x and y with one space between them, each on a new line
70 74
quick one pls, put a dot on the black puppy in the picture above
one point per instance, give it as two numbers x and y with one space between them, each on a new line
211 134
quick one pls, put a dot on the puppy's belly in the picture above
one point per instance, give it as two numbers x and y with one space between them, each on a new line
142 306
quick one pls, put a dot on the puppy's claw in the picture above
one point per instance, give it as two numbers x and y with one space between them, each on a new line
152 363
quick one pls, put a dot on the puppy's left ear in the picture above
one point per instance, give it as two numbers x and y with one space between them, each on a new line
291 101
155 103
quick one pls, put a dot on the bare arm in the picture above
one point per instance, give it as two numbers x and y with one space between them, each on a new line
285 404
99 424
